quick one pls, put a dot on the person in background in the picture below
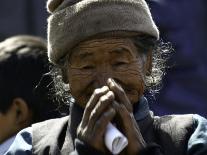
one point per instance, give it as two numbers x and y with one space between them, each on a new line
24 86
108 54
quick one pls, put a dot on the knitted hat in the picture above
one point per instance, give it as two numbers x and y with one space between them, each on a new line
73 21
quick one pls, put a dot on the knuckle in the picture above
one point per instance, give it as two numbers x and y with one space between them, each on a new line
96 92
110 95
103 99
105 88
99 91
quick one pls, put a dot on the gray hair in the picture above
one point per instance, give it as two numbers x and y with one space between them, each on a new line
161 52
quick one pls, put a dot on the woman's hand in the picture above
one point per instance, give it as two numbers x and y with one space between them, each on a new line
97 114
126 121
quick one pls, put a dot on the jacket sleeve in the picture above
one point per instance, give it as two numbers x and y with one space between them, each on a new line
22 144
197 144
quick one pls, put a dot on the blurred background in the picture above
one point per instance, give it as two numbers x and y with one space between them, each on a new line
23 17
181 22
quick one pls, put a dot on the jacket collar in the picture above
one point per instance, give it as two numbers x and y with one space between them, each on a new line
141 110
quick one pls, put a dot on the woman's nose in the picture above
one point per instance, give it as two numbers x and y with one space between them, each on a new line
102 77
104 71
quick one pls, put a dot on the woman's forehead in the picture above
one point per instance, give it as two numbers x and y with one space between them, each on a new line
111 45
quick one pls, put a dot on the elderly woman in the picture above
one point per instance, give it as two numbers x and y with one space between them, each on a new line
106 51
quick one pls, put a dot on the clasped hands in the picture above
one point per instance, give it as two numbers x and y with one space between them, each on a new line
107 104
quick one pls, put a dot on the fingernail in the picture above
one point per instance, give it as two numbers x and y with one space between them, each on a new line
111 82
111 93
105 88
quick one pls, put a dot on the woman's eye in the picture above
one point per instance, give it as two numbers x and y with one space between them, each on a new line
87 67
120 63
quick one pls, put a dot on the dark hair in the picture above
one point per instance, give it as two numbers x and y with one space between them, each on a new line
23 68
161 52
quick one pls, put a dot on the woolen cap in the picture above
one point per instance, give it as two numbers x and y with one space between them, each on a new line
73 21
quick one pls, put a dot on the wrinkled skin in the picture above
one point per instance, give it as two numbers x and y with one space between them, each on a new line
106 78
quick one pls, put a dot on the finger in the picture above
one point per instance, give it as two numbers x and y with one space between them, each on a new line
125 116
104 102
120 93
100 126
129 126
92 102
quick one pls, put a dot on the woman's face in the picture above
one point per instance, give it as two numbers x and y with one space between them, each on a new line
93 62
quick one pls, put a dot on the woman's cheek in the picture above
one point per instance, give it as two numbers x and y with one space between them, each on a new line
132 82
81 88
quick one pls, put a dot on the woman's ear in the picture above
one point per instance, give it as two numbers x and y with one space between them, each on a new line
148 64
22 112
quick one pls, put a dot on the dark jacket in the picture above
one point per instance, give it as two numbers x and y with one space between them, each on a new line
167 135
